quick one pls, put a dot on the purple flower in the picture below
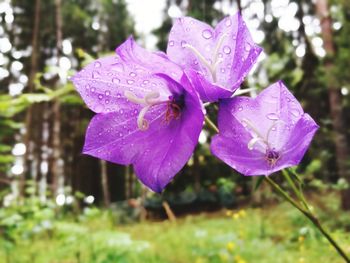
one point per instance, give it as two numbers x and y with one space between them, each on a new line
263 135
148 114
217 60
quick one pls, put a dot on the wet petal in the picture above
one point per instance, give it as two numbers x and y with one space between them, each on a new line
157 153
250 129
103 83
223 56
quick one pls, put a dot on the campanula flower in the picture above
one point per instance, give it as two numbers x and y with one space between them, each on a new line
147 113
263 135
217 60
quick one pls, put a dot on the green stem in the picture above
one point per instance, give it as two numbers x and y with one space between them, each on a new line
297 191
306 211
211 124
311 217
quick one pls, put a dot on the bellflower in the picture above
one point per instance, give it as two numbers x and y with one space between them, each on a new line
147 113
217 60
263 135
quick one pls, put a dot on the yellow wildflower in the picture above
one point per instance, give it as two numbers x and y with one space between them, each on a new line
230 246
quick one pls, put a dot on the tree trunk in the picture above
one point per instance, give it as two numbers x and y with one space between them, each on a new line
56 129
29 113
104 183
335 100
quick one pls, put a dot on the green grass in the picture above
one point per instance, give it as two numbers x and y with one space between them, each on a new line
275 234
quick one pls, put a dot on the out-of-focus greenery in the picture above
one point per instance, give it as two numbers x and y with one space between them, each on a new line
32 232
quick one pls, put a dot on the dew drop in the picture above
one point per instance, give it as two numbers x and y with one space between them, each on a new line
107 92
222 70
130 81
100 97
93 89
95 74
228 22
227 50
121 111
272 116
97 64
87 86
183 44
240 108
247 47
132 74
118 67
145 81
220 55
107 101
118 96
116 80
171 43
207 34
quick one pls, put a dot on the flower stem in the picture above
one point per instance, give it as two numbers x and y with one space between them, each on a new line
306 211
297 191
211 124
310 216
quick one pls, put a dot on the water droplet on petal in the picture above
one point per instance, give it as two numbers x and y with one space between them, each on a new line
93 89
183 44
97 64
227 50
118 67
247 47
171 43
107 92
100 97
130 81
146 81
107 101
95 74
116 80
132 74
228 22
118 96
240 108
272 116
207 34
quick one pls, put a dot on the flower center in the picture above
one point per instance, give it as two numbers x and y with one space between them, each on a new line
174 108
173 111
271 155
211 65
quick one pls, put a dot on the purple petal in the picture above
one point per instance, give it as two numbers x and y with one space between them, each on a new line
103 83
157 153
197 46
253 130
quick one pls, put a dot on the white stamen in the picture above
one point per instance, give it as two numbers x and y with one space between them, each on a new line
151 99
252 142
242 91
257 133
142 123
199 55
216 61
272 126
132 97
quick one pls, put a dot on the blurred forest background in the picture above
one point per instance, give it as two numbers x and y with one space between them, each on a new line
58 205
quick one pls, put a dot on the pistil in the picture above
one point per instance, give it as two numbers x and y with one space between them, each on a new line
211 66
